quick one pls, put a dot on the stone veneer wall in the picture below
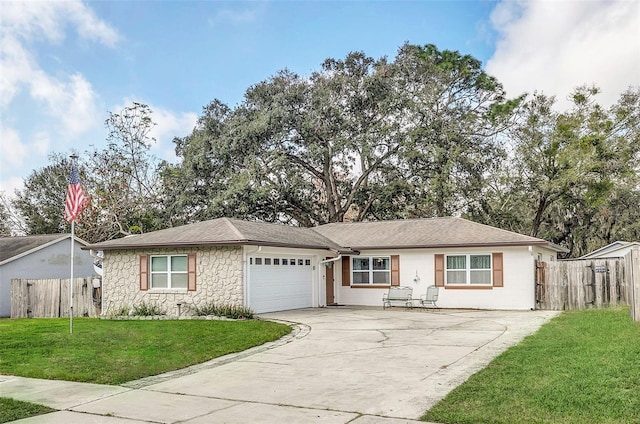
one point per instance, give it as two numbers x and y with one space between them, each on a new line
218 280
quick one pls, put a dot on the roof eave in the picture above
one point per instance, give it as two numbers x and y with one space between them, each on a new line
458 245
42 246
557 247
214 243
299 246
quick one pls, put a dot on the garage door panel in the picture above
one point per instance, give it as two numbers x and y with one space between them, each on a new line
279 273
280 287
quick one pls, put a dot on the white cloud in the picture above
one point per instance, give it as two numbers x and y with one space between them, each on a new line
90 27
237 16
9 186
41 143
15 152
69 98
37 19
12 150
61 105
554 47
17 68
71 102
31 20
170 125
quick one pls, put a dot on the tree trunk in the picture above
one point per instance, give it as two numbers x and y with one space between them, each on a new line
543 203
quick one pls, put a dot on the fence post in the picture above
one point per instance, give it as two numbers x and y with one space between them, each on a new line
633 267
541 285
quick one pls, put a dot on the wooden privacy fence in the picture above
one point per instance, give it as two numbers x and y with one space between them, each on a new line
581 284
50 298
592 283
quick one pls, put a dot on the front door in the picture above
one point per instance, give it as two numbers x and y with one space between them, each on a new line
331 300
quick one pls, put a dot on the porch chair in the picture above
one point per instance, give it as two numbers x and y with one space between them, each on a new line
431 297
398 294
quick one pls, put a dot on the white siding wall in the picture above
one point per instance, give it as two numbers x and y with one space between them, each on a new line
518 291
545 255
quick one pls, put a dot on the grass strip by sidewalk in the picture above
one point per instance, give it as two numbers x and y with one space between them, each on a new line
581 367
12 410
114 352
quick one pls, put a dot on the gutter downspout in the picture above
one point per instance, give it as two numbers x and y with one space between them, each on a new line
324 262
98 261
330 260
245 274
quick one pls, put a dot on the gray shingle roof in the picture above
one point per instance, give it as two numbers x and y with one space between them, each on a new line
225 232
11 247
432 232
342 237
612 250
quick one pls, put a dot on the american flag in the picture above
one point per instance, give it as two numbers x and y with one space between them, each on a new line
76 199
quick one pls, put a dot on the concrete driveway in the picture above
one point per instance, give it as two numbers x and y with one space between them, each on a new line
342 365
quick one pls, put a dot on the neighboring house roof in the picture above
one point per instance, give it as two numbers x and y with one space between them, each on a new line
12 248
614 250
225 232
345 237
420 233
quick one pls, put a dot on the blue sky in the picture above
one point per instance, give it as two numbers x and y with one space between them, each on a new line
186 53
65 64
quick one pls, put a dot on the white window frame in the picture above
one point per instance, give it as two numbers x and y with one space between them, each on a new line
169 272
371 271
468 270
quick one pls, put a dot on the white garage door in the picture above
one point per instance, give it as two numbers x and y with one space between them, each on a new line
278 283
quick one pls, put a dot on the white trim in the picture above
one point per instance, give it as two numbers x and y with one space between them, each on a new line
169 272
468 270
322 280
246 273
370 271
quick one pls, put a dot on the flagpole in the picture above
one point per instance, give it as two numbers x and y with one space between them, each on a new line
71 283
73 236
75 201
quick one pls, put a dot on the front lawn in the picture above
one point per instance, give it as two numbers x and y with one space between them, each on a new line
582 367
114 352
12 410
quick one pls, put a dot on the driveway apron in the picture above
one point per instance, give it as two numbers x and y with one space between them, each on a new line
360 365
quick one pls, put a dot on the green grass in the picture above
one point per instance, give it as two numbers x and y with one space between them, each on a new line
114 352
582 367
11 410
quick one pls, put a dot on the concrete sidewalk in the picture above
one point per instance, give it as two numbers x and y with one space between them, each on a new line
342 365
